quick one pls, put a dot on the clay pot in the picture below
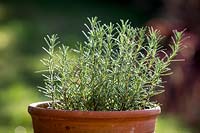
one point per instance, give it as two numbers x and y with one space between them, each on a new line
62 121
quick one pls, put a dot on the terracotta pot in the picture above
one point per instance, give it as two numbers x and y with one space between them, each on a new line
62 121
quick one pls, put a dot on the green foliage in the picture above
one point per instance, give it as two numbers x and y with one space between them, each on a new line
118 68
14 109
172 124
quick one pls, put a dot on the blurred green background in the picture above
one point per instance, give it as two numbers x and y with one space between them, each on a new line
23 24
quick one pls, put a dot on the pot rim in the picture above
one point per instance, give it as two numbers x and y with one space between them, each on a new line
38 108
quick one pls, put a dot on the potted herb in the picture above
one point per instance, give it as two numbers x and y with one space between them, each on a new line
109 86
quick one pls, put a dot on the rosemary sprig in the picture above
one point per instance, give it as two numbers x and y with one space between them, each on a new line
118 68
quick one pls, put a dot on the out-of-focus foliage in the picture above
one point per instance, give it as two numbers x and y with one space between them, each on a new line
14 101
171 124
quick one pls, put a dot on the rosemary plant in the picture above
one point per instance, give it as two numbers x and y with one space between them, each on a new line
118 68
